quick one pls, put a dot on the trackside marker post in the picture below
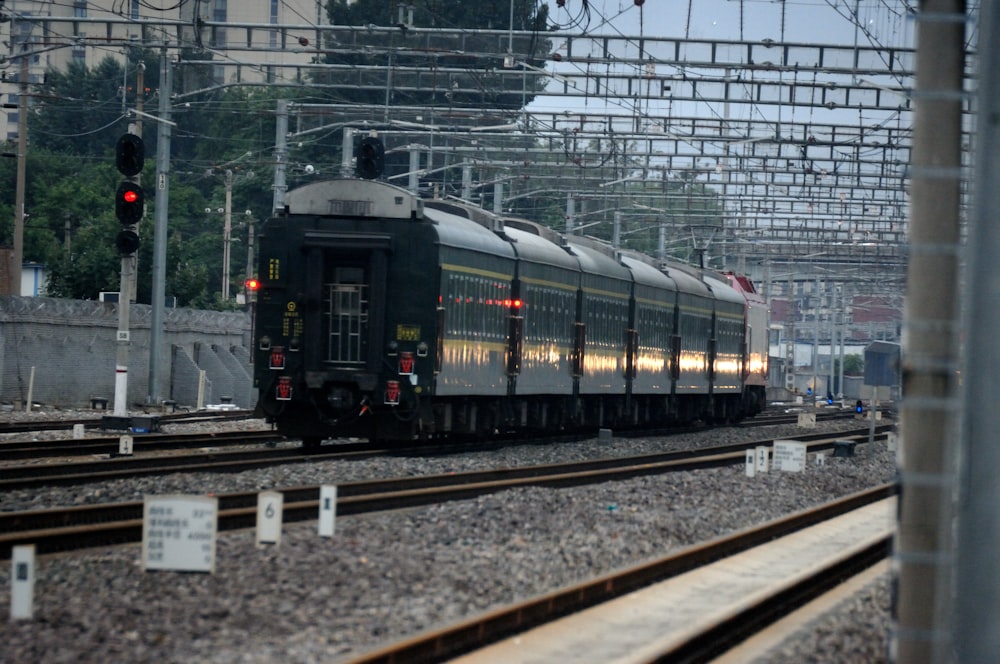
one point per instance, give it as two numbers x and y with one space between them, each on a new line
327 510
763 457
751 464
270 505
178 533
124 445
22 582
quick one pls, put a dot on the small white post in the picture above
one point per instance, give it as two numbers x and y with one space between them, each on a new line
270 505
327 510
201 390
22 582
31 391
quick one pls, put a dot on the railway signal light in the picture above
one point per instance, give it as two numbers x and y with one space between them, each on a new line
127 242
130 155
859 407
370 158
129 203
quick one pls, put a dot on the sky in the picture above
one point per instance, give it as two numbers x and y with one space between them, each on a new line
865 23
812 21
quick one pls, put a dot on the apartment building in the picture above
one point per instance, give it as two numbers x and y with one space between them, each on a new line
245 50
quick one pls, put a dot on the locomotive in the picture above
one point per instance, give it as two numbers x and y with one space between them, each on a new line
384 315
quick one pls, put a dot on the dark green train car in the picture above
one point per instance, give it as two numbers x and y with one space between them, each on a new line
391 317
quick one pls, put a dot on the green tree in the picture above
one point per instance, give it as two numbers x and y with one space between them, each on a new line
854 365
467 69
81 111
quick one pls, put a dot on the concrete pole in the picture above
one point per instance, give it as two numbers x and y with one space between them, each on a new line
977 596
227 235
498 197
346 159
158 304
413 183
930 353
570 213
281 154
17 259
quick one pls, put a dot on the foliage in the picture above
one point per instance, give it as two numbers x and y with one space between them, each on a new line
854 365
81 111
464 70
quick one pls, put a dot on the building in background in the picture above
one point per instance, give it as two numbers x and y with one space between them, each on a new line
240 53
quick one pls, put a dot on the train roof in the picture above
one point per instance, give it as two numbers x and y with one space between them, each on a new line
354 198
597 258
644 273
686 281
456 230
535 248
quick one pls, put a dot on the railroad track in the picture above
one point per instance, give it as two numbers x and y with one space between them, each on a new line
108 445
213 460
29 425
655 597
64 529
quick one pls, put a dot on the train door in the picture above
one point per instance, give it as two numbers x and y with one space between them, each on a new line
348 325
346 299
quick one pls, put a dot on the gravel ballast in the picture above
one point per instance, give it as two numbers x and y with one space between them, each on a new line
386 576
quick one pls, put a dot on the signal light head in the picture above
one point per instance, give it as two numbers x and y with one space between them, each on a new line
370 157
130 153
252 284
127 242
129 202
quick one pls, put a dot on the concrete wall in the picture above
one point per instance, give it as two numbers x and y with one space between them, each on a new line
71 344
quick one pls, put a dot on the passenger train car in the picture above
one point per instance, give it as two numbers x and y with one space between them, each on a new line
388 316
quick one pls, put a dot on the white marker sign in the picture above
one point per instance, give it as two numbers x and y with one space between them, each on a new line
763 459
751 463
178 533
327 510
789 455
269 516
22 582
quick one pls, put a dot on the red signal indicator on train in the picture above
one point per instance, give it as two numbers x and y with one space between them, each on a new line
252 284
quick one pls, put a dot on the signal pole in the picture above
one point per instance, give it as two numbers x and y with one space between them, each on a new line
129 208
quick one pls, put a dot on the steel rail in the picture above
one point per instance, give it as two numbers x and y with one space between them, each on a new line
61 529
448 642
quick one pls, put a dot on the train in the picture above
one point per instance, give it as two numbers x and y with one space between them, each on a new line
390 316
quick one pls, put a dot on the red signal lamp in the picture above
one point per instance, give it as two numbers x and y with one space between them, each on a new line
252 284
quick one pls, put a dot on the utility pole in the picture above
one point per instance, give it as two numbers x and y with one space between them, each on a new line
227 233
160 227
17 259
281 154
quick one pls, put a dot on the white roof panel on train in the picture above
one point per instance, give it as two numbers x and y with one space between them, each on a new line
354 198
